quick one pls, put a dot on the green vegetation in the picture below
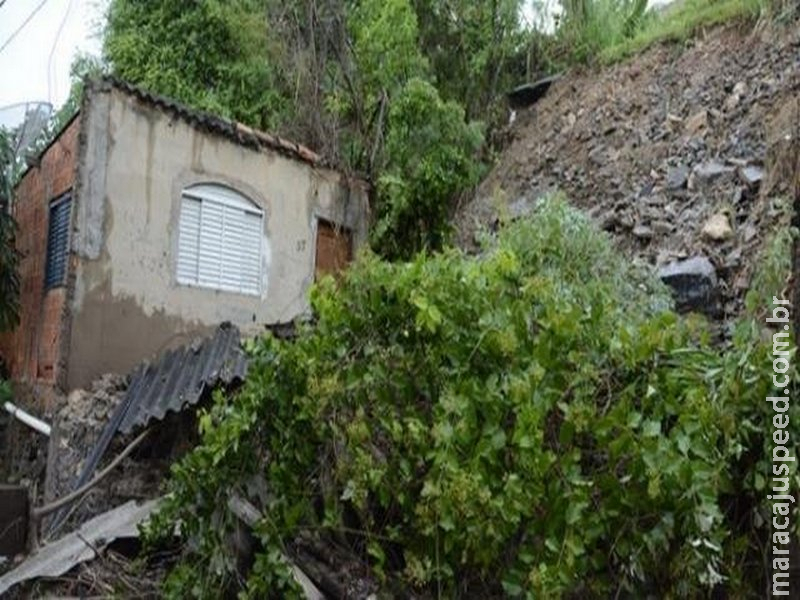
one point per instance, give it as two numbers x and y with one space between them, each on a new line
532 423
9 276
680 22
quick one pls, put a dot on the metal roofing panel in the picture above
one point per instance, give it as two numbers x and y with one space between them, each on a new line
180 376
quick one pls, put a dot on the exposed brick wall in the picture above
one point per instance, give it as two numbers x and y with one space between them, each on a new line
32 351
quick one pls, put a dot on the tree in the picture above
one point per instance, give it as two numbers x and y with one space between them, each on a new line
430 159
209 54
474 48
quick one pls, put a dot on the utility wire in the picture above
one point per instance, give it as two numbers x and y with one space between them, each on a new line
52 51
21 27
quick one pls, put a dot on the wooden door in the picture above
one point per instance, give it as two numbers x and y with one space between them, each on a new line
334 249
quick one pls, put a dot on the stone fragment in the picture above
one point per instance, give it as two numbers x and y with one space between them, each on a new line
732 101
696 123
718 228
693 283
662 227
643 232
677 177
751 175
711 173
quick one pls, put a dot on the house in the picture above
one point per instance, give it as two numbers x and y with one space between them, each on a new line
146 223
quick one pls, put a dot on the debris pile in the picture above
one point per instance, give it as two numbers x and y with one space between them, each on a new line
77 425
674 153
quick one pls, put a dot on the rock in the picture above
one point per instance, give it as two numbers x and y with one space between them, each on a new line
693 283
608 221
732 101
750 232
643 232
662 227
696 123
711 173
718 228
751 176
677 177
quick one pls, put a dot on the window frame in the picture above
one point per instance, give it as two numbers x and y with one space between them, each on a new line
226 200
51 283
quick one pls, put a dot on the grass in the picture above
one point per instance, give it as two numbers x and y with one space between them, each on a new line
681 21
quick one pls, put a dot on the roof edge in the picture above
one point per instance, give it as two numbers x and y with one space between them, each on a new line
202 120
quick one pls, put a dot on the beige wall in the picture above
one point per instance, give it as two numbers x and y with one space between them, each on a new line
135 161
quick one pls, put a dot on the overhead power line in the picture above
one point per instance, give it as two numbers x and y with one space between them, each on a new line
52 52
21 27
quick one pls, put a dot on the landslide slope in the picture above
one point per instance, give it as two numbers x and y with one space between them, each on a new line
655 147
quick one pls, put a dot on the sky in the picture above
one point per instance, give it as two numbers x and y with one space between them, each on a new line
34 66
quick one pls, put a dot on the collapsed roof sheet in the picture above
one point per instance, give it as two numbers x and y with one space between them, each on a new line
180 377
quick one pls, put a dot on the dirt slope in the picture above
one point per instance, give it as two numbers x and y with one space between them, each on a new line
655 147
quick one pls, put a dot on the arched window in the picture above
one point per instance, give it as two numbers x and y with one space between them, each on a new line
219 240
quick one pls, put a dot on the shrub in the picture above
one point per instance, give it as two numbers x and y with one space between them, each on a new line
535 422
431 158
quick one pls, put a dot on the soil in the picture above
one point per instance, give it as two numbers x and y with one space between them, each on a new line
665 151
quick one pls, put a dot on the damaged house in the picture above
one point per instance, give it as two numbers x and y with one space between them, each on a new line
145 223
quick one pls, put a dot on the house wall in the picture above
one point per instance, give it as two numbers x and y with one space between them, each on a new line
127 303
34 351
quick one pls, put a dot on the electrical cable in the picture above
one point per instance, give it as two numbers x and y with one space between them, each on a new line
21 27
52 52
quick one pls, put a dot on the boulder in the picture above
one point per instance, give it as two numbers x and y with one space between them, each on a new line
694 285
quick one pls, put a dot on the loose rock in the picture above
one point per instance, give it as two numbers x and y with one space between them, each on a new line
677 177
696 123
718 228
694 285
751 175
712 173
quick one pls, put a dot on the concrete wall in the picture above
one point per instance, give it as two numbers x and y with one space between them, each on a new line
34 352
127 303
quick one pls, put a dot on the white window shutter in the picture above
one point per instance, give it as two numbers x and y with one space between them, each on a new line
220 240
188 241
251 253
211 223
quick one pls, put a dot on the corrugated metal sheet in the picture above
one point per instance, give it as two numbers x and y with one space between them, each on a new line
177 380
181 376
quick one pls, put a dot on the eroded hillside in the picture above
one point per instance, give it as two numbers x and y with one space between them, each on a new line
678 152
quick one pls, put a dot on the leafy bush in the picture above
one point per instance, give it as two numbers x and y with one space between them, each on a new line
431 158
535 422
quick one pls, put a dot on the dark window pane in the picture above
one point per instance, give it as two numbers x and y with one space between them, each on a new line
58 242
